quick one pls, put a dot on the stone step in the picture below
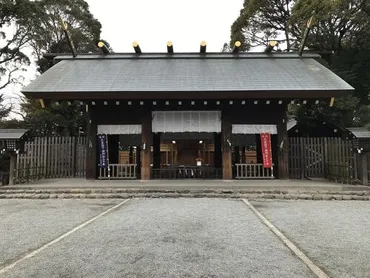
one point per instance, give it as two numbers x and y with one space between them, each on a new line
81 194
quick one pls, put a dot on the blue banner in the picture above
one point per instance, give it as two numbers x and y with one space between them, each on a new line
103 152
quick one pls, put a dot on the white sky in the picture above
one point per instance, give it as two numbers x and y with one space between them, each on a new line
154 22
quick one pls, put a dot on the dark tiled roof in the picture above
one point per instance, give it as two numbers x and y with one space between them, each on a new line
187 72
12 133
360 132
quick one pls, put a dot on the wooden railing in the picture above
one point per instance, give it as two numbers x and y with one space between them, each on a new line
118 171
252 171
187 172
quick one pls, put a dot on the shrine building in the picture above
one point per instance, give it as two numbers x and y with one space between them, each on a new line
187 115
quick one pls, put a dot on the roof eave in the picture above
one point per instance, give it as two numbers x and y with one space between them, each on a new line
251 94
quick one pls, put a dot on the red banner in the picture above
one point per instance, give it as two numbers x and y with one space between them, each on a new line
266 150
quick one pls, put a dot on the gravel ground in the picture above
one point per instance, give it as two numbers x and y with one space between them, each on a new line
27 224
336 235
169 238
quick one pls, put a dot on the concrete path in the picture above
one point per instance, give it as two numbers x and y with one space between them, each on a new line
180 238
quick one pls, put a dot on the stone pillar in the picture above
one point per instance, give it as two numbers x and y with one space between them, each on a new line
146 139
226 147
283 148
156 151
91 154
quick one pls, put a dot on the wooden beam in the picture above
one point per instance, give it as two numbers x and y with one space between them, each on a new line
103 47
136 47
156 151
305 36
237 46
169 47
364 179
69 38
226 134
146 139
203 47
270 46
91 156
13 166
331 102
283 148
217 151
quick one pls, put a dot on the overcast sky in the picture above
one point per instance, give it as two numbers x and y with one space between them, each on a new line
154 22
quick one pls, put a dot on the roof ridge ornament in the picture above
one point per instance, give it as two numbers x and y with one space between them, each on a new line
103 47
136 47
237 46
169 47
69 37
203 47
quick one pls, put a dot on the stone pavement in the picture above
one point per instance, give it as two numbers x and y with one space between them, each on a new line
251 189
182 238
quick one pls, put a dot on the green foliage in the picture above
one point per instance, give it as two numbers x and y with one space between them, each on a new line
60 119
263 20
341 27
20 15
38 25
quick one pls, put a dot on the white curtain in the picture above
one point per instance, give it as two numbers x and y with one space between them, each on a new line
119 129
186 121
254 129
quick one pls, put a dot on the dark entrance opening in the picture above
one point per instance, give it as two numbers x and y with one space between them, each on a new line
186 156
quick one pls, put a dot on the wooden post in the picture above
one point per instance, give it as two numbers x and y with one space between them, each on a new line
302 152
146 138
217 151
91 154
237 154
156 151
283 153
243 155
138 161
365 180
226 147
13 165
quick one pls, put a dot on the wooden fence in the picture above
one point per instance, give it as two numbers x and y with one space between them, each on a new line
331 158
58 157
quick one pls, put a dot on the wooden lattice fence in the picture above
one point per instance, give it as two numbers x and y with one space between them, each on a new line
331 158
52 157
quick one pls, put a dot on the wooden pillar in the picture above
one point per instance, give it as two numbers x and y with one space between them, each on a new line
217 151
364 179
237 154
226 148
146 139
113 148
156 151
91 154
244 159
283 148
131 155
13 165
258 149
138 161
